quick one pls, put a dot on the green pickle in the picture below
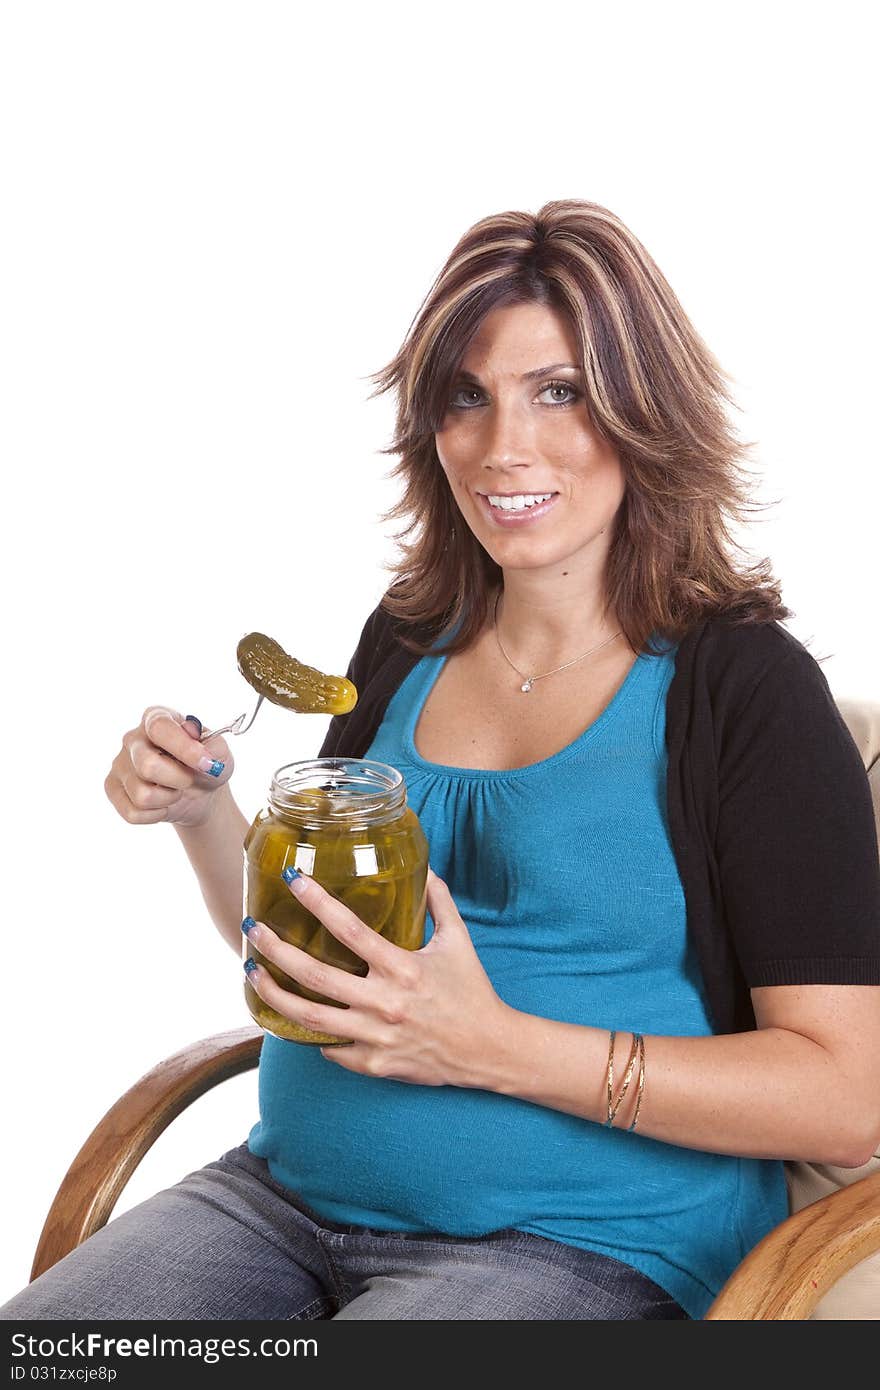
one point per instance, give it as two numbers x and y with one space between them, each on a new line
284 681
354 834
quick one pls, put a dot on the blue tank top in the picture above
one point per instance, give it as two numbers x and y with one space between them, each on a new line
564 873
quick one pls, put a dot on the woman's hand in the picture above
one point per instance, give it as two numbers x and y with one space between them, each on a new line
163 773
426 1016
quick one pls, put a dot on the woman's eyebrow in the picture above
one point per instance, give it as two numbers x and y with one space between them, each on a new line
529 376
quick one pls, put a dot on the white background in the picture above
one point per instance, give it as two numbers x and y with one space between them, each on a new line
218 220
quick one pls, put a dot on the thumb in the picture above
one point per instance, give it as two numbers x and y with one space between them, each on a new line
192 725
441 904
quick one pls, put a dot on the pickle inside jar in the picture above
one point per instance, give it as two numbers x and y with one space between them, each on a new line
389 898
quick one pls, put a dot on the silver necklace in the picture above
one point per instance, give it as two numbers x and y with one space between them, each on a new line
529 681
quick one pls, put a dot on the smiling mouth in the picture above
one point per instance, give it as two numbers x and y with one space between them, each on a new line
517 501
515 509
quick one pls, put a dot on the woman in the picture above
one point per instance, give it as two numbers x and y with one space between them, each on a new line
654 908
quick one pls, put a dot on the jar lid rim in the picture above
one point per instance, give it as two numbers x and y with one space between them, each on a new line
353 768
367 789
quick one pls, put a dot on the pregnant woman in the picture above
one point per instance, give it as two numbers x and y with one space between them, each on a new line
652 967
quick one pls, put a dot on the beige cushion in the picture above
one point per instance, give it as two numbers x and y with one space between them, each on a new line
857 1294
863 721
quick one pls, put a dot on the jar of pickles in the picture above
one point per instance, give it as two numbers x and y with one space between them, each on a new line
346 823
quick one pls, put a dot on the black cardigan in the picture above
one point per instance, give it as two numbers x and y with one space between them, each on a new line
768 803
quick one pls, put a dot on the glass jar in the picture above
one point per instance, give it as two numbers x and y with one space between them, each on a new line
346 823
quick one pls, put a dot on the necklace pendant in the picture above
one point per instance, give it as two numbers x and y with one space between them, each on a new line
527 686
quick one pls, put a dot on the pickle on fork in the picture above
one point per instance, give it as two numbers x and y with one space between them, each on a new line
284 681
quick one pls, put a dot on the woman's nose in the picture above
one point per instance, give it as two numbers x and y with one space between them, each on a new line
509 438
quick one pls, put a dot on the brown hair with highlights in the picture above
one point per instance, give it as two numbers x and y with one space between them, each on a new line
653 389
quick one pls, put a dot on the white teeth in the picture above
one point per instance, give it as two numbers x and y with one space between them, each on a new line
522 499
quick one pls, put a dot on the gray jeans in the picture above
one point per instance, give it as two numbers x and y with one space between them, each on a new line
227 1241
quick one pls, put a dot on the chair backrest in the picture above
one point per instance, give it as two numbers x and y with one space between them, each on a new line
862 718
857 1294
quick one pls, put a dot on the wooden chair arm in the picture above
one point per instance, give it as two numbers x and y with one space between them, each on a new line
113 1150
796 1263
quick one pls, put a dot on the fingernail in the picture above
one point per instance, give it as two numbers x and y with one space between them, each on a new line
191 719
247 924
250 965
293 878
211 766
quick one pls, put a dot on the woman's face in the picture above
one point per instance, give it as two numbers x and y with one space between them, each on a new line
517 426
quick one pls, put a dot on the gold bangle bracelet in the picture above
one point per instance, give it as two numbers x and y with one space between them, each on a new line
610 1077
641 1090
634 1053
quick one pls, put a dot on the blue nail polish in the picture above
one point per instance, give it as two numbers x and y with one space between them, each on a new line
290 873
247 924
250 965
215 769
191 719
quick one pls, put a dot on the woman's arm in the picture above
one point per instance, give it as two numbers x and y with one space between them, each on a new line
802 1086
215 852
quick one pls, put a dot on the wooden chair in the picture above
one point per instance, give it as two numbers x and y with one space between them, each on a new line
784 1277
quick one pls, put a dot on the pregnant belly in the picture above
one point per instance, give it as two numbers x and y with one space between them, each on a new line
395 1156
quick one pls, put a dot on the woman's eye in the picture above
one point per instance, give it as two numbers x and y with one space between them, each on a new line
464 391
573 392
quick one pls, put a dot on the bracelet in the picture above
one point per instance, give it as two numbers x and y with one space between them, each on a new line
637 1050
612 1110
641 1082
610 1076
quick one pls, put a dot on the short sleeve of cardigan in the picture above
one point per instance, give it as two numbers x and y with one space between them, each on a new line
796 842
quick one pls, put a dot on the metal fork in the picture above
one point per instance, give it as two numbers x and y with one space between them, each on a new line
238 726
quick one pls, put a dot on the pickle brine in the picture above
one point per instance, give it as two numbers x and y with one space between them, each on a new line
391 899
